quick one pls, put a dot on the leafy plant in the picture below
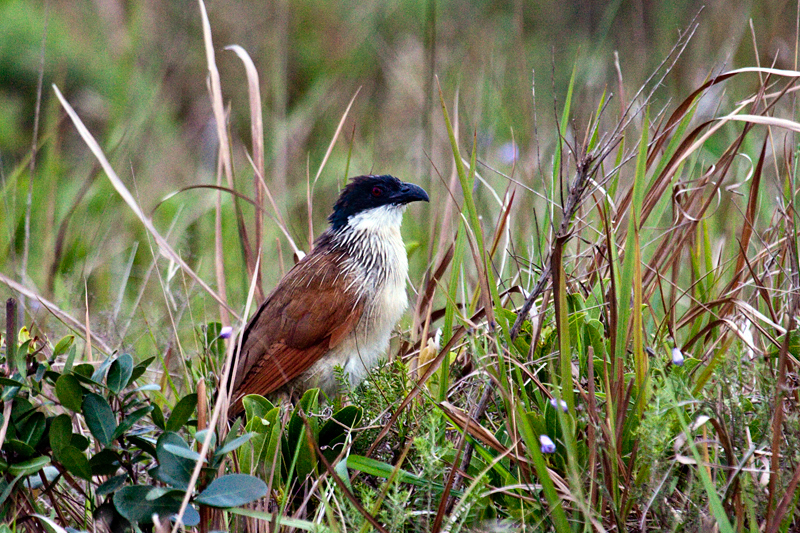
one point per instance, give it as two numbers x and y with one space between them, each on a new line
290 452
124 450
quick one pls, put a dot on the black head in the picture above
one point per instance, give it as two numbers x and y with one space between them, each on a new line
368 192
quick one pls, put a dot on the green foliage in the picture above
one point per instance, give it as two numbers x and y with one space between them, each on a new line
259 455
139 503
291 451
127 454
232 491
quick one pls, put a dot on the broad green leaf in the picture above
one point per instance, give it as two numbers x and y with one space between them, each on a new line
230 437
181 451
29 467
173 469
73 351
157 492
232 490
99 418
112 485
23 449
250 451
190 516
31 433
158 417
41 369
298 449
233 445
75 462
256 405
60 433
39 480
143 444
271 456
132 503
336 427
101 370
21 410
84 371
105 463
69 392
261 449
200 436
120 373
4 496
140 369
341 470
182 412
129 421
9 393
22 354
63 345
79 441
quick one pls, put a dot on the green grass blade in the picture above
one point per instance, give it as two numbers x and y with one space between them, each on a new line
711 491
532 445
631 276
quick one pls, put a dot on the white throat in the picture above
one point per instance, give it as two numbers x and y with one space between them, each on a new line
372 238
377 219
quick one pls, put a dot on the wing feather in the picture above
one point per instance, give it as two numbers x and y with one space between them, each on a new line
312 310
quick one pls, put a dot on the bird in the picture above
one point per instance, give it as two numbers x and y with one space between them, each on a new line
338 305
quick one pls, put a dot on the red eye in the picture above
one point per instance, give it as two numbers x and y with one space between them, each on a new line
377 191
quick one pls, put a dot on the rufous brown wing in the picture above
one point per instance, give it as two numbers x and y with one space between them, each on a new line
313 308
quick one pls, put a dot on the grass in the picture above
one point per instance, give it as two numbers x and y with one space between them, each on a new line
630 229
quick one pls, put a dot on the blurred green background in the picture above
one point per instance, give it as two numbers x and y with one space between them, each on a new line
136 73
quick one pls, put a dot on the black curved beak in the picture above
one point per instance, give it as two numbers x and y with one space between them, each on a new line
410 193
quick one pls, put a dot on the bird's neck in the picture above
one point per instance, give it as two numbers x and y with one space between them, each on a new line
372 242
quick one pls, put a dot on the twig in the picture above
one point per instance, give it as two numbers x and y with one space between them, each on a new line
587 168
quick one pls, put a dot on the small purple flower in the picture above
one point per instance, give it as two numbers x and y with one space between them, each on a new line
677 356
548 446
226 332
508 153
555 403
